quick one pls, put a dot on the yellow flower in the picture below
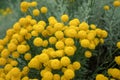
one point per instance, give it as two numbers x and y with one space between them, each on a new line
25 78
45 33
38 41
115 73
1 47
43 57
48 75
52 40
12 47
36 12
85 43
8 67
92 26
45 43
101 40
65 61
33 22
56 77
39 28
34 33
55 64
117 60
33 4
106 7
88 54
69 42
22 21
2 79
118 45
92 46
69 74
21 49
69 50
64 18
82 34
34 63
59 53
70 32
15 72
58 26
52 54
96 41
16 26
2 61
59 45
76 65
5 53
14 41
24 6
59 34
90 36
10 32
25 70
104 34
43 23
44 10
74 22
84 26
63 77
14 63
15 54
52 21
27 56
23 32
98 32
101 77
28 36
29 28
116 3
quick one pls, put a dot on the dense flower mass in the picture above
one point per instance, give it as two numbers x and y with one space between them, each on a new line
56 41
43 47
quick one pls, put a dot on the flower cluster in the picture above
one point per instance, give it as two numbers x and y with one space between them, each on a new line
50 47
116 3
26 5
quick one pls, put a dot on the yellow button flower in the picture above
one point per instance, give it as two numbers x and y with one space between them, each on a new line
43 10
59 45
38 41
21 48
76 65
85 43
69 42
84 26
59 34
27 56
55 64
65 61
106 7
101 77
117 60
48 75
69 51
36 12
64 18
118 45
116 3
69 74
88 54
2 61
